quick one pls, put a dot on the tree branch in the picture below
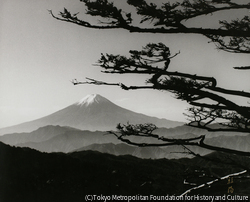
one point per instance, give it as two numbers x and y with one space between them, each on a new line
133 29
188 87
123 86
243 68
170 17
139 130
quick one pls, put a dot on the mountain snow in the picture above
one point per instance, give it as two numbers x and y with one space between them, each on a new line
90 99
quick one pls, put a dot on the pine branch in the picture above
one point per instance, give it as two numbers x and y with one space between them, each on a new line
243 68
138 130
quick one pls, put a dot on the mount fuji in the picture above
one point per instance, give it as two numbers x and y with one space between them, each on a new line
93 113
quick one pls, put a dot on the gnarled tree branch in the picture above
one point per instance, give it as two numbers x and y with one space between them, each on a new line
170 18
154 60
124 132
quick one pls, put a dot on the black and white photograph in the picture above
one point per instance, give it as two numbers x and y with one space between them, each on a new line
124 100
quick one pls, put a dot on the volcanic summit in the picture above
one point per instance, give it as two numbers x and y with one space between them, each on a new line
93 112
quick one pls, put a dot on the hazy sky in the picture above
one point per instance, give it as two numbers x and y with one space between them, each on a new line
40 55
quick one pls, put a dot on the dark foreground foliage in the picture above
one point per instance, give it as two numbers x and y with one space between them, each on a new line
29 175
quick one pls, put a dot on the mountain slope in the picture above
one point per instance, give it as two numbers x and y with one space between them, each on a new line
70 140
124 149
28 175
36 176
66 139
93 112
39 135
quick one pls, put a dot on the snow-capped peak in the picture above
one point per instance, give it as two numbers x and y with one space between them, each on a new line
90 99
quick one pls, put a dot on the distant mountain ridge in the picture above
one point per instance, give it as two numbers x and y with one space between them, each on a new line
82 126
67 139
94 113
